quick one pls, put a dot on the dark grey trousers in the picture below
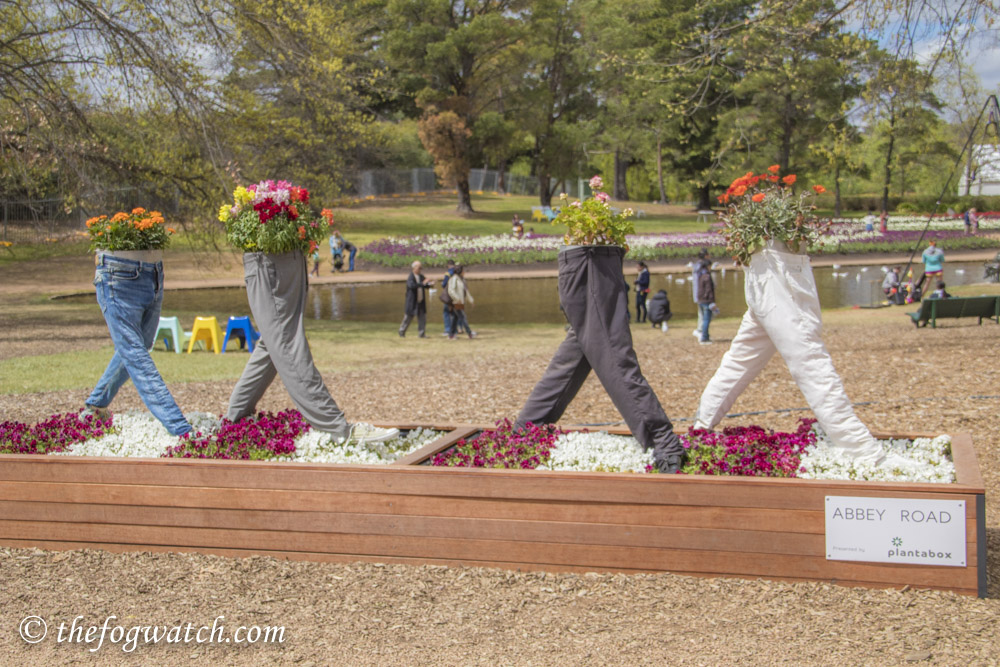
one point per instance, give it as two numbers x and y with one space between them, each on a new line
595 301
276 290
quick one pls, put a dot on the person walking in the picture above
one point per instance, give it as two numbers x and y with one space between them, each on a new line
449 311
351 251
706 298
641 292
695 269
460 300
314 257
276 290
416 301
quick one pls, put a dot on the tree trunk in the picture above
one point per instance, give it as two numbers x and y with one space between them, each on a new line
836 191
544 194
659 168
968 172
704 197
888 163
502 176
464 196
621 168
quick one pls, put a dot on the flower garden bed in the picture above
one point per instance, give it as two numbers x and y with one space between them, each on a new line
844 236
411 511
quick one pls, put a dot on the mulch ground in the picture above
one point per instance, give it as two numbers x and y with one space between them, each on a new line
946 379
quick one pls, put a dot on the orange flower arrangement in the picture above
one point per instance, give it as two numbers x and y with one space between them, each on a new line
138 230
762 207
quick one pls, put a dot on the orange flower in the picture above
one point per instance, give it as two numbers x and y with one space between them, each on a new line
773 178
312 246
774 168
93 221
724 199
119 216
328 214
302 232
788 180
138 211
171 230
819 189
739 190
759 197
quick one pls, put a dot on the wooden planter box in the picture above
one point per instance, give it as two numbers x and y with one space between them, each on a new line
413 513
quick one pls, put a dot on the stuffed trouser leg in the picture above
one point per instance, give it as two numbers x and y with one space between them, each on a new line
276 290
746 357
595 302
782 302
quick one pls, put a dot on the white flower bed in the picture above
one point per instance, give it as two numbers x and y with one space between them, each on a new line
920 460
897 223
315 447
139 434
598 452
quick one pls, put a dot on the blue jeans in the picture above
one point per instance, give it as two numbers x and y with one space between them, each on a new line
130 294
350 259
706 316
447 318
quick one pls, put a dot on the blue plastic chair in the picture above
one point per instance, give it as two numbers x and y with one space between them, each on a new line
242 329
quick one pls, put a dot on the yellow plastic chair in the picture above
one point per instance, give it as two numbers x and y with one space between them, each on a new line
207 329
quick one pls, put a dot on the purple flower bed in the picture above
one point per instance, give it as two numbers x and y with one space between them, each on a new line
55 434
750 451
502 447
264 436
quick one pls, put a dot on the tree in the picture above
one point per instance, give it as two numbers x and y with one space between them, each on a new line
450 54
556 96
899 93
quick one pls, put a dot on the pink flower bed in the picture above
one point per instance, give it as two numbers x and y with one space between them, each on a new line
502 447
55 434
264 436
749 451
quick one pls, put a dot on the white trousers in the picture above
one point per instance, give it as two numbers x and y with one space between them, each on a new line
783 315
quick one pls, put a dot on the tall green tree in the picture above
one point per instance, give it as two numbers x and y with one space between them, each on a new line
450 55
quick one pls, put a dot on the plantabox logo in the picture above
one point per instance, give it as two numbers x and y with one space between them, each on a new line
898 552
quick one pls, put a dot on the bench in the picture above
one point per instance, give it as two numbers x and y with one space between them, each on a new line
543 213
931 310
706 215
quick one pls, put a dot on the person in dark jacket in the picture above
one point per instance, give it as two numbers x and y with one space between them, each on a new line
706 297
641 292
416 301
659 310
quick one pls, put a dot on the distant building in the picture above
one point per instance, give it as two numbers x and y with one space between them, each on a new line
983 174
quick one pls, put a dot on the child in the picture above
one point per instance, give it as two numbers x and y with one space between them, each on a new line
315 260
940 292
659 310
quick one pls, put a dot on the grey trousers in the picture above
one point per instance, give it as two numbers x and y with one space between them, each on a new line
276 290
421 323
595 301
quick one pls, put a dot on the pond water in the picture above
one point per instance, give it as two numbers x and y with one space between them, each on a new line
536 300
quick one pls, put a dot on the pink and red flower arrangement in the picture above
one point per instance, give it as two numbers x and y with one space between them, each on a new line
274 217
502 447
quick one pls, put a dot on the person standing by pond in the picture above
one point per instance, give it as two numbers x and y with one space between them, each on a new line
416 301
641 291
339 245
460 299
706 298
695 268
933 258
336 251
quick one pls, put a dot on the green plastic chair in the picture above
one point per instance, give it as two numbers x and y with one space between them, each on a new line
174 337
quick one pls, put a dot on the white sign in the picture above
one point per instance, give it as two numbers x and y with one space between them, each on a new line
895 530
